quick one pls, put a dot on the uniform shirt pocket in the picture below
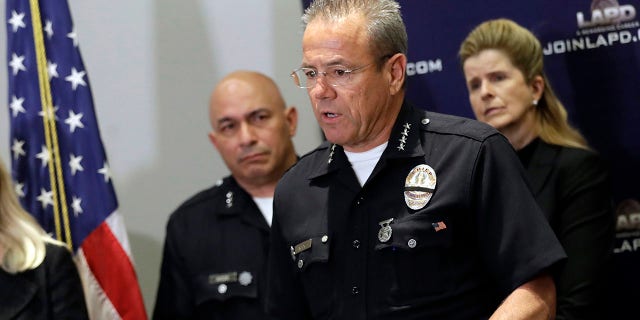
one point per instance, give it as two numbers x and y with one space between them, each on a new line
418 251
313 269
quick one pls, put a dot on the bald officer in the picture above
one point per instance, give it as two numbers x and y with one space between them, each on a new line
216 245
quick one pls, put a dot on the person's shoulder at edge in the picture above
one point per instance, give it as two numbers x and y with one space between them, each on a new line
581 167
202 198
574 161
441 123
581 157
309 159
57 252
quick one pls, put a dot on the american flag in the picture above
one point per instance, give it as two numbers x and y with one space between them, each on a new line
58 162
437 226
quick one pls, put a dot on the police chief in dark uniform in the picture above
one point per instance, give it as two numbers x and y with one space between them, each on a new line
214 260
402 214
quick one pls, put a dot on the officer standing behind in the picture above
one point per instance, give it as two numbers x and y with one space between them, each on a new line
214 260
402 214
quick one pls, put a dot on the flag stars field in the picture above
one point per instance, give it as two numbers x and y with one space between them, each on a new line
52 69
19 188
44 155
106 172
74 121
50 113
48 29
16 21
45 197
74 164
76 78
16 64
16 106
75 205
17 148
73 36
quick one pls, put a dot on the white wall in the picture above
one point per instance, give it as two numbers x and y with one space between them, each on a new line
151 65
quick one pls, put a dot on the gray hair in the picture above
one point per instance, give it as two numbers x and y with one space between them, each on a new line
385 26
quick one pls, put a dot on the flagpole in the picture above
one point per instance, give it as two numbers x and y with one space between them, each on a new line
51 136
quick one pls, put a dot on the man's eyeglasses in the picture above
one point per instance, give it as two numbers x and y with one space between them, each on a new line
334 75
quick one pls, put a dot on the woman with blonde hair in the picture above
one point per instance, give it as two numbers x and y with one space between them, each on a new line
38 278
503 68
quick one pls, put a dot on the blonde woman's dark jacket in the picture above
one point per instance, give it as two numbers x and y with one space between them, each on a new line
51 291
571 186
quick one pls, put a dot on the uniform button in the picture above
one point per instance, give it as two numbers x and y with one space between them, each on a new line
356 244
222 288
325 239
355 290
300 264
412 243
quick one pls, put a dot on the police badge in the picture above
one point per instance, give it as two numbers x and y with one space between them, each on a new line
419 186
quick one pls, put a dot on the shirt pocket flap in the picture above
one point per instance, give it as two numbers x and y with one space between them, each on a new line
416 232
318 252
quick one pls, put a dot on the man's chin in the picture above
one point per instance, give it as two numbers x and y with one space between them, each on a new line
333 136
256 171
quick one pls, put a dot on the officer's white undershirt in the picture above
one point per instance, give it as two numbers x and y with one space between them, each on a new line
266 207
364 162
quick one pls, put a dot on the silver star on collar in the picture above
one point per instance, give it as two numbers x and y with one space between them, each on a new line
229 200
405 134
331 153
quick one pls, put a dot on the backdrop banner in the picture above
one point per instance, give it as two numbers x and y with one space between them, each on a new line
592 52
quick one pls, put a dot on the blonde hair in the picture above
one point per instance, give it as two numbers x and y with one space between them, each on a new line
525 52
22 240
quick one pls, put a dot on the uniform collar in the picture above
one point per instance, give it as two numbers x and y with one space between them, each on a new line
404 142
237 202
328 159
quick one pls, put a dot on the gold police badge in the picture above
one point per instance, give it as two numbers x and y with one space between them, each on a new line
419 186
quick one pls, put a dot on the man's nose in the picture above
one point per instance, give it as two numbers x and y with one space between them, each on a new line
322 89
247 134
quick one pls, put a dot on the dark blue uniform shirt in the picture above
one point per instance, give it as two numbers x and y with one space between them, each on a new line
480 236
214 260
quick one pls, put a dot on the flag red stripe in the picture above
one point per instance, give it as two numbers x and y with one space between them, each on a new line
113 270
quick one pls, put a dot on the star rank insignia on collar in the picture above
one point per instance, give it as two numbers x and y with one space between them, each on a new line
405 134
229 200
333 147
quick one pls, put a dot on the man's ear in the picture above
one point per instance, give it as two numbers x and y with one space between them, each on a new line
213 138
291 116
397 67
